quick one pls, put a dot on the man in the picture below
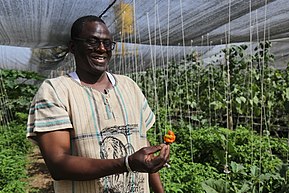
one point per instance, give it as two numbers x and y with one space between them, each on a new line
91 125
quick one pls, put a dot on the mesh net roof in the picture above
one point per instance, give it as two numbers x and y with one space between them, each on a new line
151 31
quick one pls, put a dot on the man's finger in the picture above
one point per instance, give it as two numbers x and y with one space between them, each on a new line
162 158
153 149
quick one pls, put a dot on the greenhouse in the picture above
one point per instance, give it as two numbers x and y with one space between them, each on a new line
215 72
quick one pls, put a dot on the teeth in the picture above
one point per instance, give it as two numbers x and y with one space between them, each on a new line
99 57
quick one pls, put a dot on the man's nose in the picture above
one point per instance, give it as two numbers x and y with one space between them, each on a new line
100 47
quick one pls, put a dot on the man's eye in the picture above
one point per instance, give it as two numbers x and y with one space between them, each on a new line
92 41
107 42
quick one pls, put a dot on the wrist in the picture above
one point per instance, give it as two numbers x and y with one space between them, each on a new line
126 163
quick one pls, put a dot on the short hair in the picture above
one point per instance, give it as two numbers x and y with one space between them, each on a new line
77 26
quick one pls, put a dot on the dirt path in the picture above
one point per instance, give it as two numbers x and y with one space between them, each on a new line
39 178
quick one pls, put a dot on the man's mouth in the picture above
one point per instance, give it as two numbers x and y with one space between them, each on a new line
99 58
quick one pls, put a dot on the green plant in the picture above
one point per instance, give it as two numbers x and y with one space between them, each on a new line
13 149
17 90
215 159
253 180
239 88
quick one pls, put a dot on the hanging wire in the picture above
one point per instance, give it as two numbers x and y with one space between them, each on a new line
5 112
100 16
135 43
168 117
261 115
186 77
63 50
251 81
263 110
162 56
152 65
199 111
209 85
191 129
228 96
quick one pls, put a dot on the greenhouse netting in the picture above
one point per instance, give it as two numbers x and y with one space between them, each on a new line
216 72
147 32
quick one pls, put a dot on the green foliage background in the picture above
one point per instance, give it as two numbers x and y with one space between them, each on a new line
230 118
231 121
17 91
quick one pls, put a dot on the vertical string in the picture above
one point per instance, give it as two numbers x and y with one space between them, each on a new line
263 110
135 43
167 66
164 66
261 105
154 63
209 85
199 111
6 114
186 76
251 81
228 95
153 66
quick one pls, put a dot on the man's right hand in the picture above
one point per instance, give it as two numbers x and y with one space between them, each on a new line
144 159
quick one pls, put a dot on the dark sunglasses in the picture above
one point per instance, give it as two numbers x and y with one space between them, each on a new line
95 43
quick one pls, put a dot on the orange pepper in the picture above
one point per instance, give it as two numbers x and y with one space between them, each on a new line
169 137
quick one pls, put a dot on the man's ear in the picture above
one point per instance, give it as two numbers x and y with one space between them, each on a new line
71 47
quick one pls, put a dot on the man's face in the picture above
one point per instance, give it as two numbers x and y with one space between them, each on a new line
92 49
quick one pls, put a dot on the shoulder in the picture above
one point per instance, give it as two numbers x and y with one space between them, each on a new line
128 85
122 79
56 82
54 85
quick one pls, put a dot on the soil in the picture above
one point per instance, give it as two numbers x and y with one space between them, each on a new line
39 179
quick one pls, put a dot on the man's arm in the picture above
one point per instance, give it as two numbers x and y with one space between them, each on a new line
155 181
55 148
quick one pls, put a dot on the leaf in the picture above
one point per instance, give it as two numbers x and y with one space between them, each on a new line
217 105
255 100
238 100
287 93
208 189
236 168
245 188
214 186
254 170
243 99
265 177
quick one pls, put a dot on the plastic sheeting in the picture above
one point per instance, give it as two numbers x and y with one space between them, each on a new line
197 25
12 57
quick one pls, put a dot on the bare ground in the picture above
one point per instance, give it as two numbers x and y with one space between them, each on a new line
39 178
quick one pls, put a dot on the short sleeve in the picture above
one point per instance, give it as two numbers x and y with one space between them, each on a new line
47 112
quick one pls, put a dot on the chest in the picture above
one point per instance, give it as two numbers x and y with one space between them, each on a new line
88 107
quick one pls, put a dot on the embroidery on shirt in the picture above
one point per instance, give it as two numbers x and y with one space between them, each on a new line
115 144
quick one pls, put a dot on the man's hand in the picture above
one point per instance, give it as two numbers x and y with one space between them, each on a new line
144 159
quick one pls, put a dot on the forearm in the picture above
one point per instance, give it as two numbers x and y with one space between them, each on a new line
55 149
80 168
155 183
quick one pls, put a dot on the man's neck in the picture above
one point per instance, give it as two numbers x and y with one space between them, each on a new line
99 82
92 78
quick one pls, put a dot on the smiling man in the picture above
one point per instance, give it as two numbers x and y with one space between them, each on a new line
91 125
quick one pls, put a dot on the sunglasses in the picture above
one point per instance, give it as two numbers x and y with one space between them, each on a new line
95 43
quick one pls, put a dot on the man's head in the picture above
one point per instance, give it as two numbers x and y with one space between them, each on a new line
77 26
91 44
